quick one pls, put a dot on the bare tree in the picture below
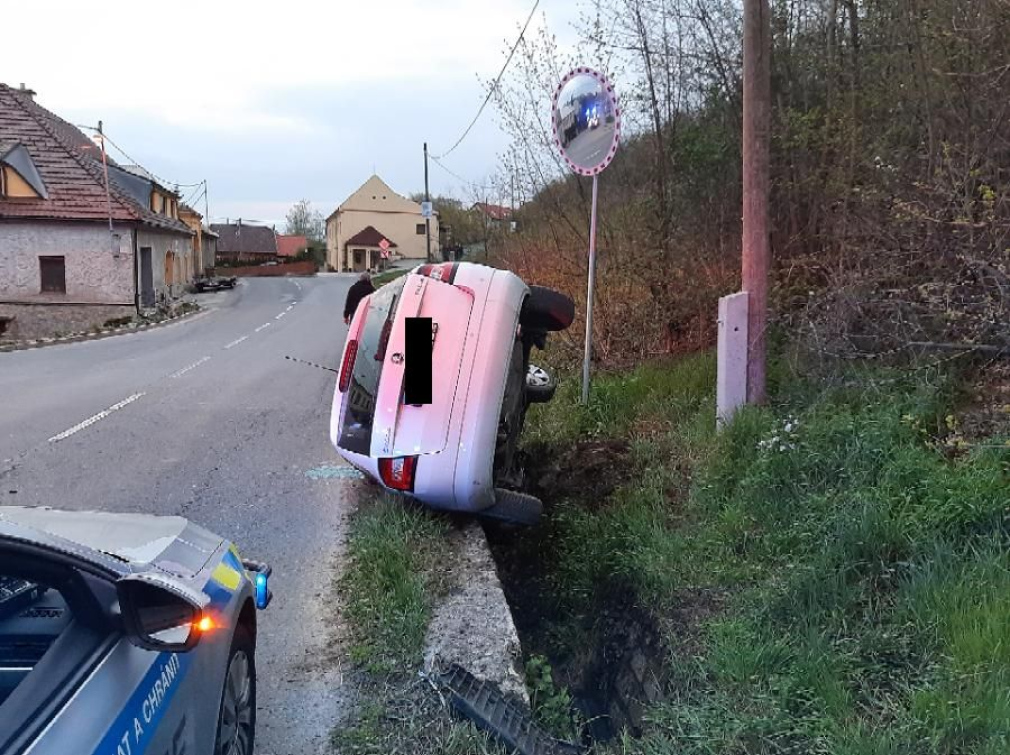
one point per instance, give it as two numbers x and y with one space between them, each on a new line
303 220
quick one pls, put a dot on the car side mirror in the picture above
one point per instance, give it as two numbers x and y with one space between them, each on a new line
160 614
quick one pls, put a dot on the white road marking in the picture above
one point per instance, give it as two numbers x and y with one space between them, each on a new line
265 325
290 307
297 285
193 366
92 420
236 342
281 315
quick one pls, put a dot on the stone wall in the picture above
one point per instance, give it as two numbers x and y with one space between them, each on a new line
33 321
161 243
93 274
291 268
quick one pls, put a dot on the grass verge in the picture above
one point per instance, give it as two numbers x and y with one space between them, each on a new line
852 564
390 275
394 576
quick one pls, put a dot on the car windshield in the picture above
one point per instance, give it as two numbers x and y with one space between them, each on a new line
356 429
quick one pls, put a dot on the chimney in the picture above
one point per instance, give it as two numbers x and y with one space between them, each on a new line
25 90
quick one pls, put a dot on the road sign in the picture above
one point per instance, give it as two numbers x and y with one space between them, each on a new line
425 209
384 245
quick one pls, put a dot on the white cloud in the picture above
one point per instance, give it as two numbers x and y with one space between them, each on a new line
204 63
274 101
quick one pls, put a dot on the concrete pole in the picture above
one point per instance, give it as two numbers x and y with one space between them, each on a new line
427 221
756 184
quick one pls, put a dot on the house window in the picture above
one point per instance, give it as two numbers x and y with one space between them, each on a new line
420 229
53 271
3 181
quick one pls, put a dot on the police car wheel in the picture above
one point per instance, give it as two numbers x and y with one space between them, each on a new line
236 725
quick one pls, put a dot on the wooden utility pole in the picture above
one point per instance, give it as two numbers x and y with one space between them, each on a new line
756 185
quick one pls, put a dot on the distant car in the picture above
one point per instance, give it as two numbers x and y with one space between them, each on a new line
457 453
124 633
215 283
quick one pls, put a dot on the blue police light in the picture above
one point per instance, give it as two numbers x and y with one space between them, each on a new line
262 592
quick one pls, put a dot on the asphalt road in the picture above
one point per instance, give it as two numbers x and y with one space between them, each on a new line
589 148
209 421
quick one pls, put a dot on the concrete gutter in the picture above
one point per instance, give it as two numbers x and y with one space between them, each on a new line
473 625
122 330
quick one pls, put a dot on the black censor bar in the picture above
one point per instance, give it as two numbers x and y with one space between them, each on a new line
418 335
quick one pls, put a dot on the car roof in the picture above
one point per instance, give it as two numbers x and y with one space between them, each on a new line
122 543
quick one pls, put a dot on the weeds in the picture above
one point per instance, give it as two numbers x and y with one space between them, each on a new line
865 568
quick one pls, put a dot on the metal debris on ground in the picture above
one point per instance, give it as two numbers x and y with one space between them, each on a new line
484 704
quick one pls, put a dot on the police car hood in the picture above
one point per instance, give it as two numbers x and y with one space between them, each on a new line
170 543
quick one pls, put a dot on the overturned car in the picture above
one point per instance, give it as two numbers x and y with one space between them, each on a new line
458 452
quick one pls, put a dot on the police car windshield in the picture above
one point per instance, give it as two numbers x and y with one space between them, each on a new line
356 429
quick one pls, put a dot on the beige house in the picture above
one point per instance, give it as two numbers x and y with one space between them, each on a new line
389 214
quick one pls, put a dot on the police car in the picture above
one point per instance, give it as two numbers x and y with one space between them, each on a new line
125 634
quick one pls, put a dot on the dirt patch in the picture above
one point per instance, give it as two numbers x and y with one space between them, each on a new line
588 472
611 654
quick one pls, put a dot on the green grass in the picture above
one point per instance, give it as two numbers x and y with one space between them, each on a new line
393 577
388 587
383 278
863 576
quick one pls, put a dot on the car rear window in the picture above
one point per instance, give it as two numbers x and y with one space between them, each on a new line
356 430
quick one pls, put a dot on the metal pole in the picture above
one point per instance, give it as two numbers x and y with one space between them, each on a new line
589 295
756 137
108 195
427 221
206 214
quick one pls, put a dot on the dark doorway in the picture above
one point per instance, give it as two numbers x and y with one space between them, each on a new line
146 278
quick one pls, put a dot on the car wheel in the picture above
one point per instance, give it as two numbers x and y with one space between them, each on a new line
510 419
540 386
236 723
513 507
546 309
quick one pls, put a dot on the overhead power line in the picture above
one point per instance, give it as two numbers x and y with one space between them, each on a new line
494 86
163 181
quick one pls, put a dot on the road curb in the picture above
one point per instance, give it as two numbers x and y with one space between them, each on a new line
121 331
473 625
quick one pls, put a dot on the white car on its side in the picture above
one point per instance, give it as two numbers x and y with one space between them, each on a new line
458 452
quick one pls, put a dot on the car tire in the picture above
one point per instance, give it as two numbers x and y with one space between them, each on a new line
236 721
512 414
513 507
540 385
546 309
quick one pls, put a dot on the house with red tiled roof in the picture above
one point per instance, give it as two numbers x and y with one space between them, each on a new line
493 212
291 246
77 248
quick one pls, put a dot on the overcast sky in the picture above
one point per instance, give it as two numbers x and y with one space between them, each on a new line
272 102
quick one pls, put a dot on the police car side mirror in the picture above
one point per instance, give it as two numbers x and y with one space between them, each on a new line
160 614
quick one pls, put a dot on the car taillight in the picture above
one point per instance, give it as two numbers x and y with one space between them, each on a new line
348 365
398 473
